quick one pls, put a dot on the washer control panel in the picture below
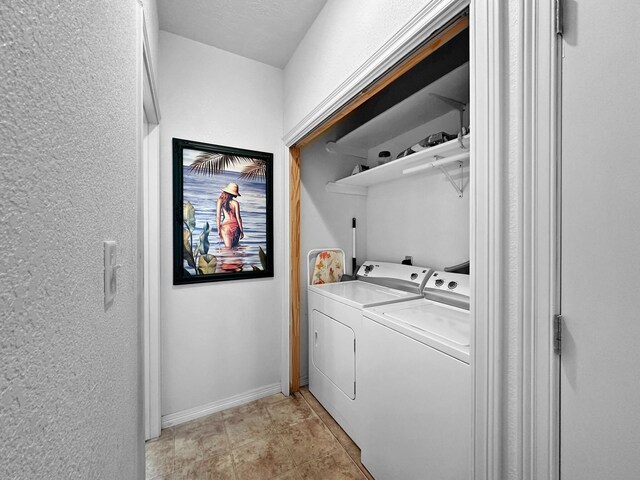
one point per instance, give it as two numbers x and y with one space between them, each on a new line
448 282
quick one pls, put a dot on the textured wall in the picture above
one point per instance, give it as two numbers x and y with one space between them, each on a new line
218 339
343 36
69 403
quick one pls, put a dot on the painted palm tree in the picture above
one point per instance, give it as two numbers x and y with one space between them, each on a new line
209 163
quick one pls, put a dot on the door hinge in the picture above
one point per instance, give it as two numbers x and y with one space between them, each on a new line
559 17
557 334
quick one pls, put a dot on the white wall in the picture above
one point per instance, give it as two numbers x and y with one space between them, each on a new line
325 221
420 215
219 339
153 28
343 36
69 398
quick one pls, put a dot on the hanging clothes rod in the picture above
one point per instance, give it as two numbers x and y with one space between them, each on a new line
439 162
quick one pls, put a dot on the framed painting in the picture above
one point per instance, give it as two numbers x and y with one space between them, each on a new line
223 213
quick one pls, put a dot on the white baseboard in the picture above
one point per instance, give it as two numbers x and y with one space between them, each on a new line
184 416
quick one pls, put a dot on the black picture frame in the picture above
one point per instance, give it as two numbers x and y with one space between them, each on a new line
215 168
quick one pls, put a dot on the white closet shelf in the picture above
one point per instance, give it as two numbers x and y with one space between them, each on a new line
435 157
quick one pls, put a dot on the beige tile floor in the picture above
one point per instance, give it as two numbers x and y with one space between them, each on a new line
274 438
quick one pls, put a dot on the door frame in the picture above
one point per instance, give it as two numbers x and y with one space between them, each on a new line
149 203
514 188
515 55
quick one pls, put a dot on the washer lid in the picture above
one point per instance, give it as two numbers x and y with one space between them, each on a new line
451 324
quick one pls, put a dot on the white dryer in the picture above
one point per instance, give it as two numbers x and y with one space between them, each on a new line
335 319
416 390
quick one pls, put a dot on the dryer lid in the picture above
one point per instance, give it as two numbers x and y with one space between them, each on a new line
360 294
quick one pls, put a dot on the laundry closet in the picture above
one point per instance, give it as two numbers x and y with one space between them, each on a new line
395 167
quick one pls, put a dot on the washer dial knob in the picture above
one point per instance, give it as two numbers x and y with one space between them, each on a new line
452 285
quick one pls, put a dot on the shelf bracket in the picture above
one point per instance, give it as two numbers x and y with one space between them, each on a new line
451 181
460 135
461 107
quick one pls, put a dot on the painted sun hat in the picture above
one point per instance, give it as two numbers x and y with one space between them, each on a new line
232 189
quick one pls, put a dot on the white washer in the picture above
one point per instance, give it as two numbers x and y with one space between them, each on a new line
335 319
416 389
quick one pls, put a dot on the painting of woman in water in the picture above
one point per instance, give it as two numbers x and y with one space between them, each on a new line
228 217
223 213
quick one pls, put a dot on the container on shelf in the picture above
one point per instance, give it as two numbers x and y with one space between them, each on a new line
383 157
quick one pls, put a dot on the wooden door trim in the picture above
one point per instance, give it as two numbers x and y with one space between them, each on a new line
409 38
430 46
294 267
433 43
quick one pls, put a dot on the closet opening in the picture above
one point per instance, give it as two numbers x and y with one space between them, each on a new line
379 198
425 93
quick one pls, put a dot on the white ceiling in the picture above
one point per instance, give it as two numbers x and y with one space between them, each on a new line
264 30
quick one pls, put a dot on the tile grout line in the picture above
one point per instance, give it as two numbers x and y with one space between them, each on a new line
273 426
334 436
173 451
274 430
295 460
274 433
233 457
321 421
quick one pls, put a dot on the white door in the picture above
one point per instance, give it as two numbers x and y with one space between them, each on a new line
600 286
